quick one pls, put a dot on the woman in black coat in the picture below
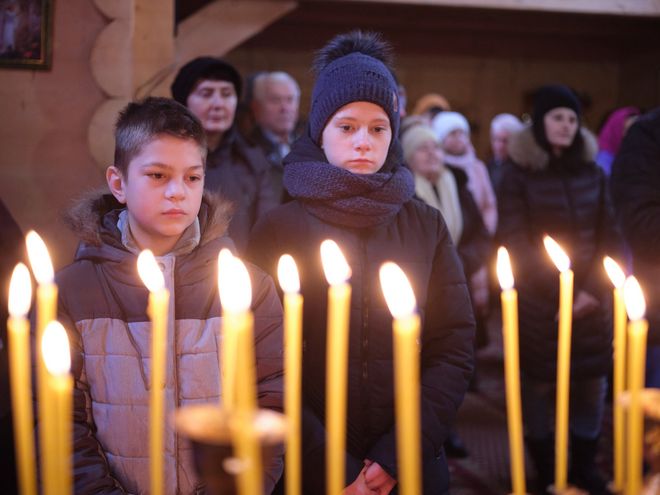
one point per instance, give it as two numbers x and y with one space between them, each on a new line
348 184
554 187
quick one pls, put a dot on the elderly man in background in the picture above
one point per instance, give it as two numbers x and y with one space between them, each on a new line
275 102
502 127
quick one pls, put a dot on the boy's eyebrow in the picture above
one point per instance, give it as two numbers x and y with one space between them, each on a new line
169 167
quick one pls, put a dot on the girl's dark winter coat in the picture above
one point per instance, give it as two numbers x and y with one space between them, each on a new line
417 239
566 198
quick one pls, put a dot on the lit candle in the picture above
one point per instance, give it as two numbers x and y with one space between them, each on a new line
46 312
563 264
618 278
509 299
637 330
236 297
337 272
157 310
401 301
289 281
18 333
57 360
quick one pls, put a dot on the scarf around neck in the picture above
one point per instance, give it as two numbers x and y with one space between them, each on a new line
338 196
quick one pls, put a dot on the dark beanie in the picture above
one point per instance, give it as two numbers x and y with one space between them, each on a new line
203 68
548 98
352 77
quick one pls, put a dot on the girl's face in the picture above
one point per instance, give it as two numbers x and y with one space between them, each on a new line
560 124
357 138
427 160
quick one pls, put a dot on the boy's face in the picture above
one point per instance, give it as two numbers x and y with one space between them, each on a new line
162 191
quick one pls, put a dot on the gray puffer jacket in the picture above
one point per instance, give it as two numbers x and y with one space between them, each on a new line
102 304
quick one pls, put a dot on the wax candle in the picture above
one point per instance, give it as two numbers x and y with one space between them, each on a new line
618 278
637 332
406 329
509 298
289 281
57 360
337 273
18 333
563 264
157 310
42 268
236 297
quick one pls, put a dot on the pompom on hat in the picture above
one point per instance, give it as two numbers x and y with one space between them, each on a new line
353 67
446 122
204 68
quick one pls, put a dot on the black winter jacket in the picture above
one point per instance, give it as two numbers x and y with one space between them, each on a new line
417 239
566 198
635 186
240 172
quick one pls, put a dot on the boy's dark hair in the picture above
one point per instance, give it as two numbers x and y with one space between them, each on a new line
140 122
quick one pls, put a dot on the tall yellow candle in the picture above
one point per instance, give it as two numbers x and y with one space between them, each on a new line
157 310
618 278
563 263
337 272
509 299
637 331
406 327
18 332
293 301
46 312
236 297
228 345
57 359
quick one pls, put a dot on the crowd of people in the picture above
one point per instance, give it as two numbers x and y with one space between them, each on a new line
228 162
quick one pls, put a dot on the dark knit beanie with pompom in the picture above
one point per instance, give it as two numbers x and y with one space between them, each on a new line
353 67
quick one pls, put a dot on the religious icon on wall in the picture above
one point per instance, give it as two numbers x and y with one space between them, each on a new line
25 33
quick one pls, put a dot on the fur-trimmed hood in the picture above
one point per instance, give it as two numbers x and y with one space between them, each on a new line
527 154
86 216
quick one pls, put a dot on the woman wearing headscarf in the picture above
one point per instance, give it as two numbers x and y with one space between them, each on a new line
348 184
553 186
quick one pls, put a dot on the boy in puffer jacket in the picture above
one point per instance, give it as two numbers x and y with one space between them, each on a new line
157 202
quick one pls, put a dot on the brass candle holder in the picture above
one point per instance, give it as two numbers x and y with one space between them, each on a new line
212 432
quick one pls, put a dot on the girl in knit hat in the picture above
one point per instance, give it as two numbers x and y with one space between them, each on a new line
554 187
348 183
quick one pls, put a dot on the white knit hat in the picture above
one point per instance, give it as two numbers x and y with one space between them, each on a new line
414 138
446 122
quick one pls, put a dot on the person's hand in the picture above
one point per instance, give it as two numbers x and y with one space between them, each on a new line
358 487
583 304
377 479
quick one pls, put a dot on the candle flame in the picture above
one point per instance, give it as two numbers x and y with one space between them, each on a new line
287 273
634 299
39 258
149 271
55 349
335 265
504 273
398 293
615 272
233 283
20 291
557 254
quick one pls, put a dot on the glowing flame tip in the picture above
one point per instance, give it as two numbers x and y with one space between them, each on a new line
287 273
20 291
234 285
634 299
557 254
40 261
55 349
396 288
504 273
149 271
335 265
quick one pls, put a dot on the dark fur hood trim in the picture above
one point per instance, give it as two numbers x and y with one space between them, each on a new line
527 154
85 217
